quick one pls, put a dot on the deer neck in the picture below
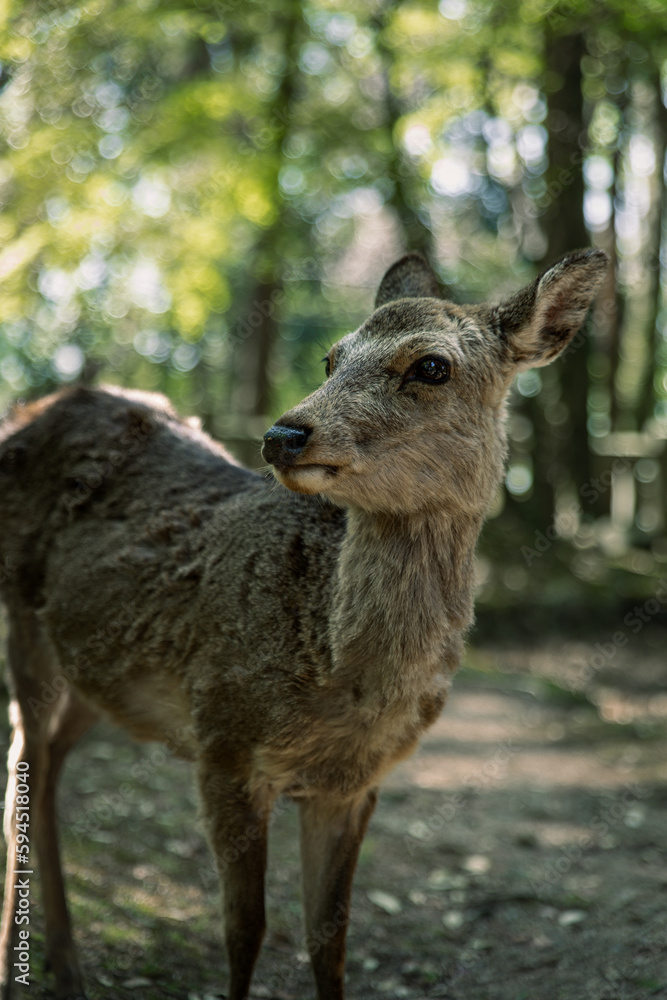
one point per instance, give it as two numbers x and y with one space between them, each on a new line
401 601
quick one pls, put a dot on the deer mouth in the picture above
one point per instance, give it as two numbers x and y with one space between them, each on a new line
307 477
330 470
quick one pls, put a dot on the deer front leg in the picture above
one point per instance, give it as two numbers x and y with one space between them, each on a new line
237 826
72 719
26 758
331 835
43 732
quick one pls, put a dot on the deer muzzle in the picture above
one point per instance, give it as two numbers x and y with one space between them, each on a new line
284 445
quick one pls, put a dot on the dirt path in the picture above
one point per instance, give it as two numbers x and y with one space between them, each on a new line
520 855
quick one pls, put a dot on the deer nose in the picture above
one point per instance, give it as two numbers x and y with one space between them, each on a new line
283 445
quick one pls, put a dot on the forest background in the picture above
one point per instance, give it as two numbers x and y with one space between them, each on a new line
199 198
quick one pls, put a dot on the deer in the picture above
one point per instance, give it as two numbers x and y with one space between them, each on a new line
298 632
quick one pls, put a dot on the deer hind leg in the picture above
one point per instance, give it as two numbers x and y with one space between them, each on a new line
39 712
237 825
331 835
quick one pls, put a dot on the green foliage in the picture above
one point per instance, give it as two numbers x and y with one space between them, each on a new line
198 197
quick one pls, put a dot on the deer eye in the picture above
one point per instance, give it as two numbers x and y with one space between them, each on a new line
430 369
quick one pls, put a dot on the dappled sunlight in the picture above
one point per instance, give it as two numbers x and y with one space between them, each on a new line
508 739
199 199
520 808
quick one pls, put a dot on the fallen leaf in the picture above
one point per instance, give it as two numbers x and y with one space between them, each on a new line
477 864
453 919
386 902
569 917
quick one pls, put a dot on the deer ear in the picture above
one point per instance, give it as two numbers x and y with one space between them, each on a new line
541 320
410 278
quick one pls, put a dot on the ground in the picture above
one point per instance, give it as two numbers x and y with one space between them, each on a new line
519 855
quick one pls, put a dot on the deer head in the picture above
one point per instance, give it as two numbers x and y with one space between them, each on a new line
411 415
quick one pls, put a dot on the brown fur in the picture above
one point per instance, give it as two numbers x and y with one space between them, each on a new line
294 643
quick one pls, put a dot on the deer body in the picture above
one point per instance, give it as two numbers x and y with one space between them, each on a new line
294 640
198 632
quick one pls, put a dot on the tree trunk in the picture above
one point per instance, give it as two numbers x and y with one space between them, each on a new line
566 231
253 392
416 233
614 301
648 396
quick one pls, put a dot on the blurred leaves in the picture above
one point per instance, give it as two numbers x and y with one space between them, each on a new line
198 197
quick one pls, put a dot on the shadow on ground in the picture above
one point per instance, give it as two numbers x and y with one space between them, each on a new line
520 855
